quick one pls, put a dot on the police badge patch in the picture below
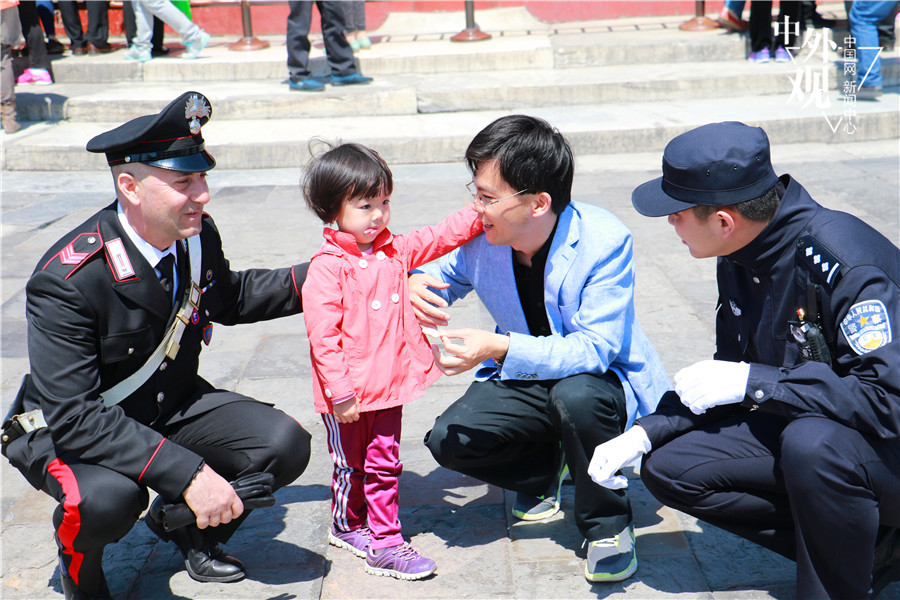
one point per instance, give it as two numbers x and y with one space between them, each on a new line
867 326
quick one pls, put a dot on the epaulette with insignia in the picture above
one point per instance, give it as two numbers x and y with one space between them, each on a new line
75 253
818 260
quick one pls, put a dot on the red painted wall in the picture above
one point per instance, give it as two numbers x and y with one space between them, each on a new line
269 18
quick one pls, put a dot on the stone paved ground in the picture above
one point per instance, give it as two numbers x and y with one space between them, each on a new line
463 524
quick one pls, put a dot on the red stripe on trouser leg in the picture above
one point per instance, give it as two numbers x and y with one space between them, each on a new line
71 523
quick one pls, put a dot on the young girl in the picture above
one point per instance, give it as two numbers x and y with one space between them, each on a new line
369 354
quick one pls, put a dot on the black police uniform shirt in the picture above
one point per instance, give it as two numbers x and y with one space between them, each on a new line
96 312
761 287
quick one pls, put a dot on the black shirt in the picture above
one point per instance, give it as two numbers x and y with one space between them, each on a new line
530 285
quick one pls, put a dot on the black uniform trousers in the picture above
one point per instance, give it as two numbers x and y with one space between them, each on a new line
338 51
508 433
98 506
809 489
97 18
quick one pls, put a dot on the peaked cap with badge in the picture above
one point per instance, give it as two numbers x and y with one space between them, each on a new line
170 139
97 317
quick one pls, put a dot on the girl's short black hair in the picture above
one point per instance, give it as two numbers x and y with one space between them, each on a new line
343 171
531 155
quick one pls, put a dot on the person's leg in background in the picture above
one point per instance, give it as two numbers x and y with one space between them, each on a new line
10 32
38 71
68 10
97 33
760 31
45 10
864 18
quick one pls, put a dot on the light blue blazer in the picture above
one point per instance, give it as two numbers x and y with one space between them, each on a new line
589 297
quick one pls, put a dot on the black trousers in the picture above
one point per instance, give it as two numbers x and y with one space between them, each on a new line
98 506
508 433
762 34
810 489
34 36
337 48
98 22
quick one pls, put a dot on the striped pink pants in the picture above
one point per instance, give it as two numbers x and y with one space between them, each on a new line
364 486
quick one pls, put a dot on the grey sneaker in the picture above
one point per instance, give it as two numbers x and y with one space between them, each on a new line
611 559
537 508
133 53
193 49
356 541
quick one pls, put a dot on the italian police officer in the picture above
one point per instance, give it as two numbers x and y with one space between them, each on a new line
118 311
790 437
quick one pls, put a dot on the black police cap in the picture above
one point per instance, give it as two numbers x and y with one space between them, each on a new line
169 140
718 164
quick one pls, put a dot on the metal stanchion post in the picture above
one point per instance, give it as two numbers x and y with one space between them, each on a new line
700 22
471 33
248 42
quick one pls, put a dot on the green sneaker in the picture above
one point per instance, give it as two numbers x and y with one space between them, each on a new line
537 508
611 559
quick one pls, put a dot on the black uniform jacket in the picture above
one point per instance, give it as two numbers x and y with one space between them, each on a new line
96 311
857 273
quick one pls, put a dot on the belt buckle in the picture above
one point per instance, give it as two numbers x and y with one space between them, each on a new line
30 421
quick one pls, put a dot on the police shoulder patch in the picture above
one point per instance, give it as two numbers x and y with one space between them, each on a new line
867 326
818 260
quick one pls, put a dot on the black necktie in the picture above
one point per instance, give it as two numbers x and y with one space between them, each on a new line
166 267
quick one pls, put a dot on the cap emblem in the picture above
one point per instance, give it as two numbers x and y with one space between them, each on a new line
195 108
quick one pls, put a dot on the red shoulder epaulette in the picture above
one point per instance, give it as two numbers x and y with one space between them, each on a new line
75 253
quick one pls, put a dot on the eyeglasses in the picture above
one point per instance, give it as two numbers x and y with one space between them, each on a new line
474 191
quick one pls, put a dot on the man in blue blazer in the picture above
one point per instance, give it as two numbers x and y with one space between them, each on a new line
568 366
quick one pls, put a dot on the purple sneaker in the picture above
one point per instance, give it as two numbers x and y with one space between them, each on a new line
762 56
356 541
782 55
402 562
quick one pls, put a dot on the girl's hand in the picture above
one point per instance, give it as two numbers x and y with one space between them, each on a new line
347 411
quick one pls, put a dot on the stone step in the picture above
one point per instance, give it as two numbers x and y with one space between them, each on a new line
430 93
623 127
391 55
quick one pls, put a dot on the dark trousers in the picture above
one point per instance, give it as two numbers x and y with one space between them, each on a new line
810 489
98 506
762 34
337 48
508 433
34 36
98 22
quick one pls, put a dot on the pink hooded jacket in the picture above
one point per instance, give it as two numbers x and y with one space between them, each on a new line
363 335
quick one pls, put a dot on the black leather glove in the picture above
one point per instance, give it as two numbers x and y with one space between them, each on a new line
254 490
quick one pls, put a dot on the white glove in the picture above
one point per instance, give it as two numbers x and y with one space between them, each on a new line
611 456
711 383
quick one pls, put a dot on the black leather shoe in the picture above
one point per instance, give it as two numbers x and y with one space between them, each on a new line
211 563
104 49
887 561
203 558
